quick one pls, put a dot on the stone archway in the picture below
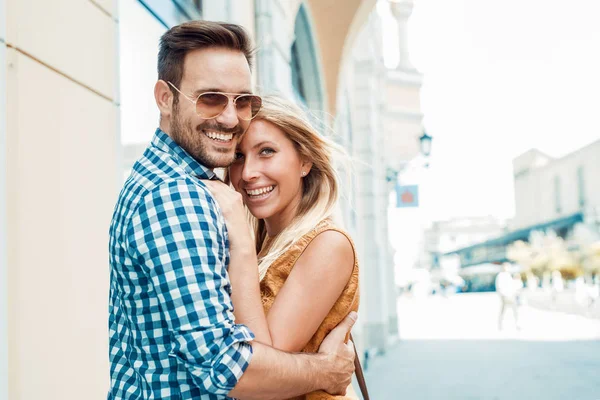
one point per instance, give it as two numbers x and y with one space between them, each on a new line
335 29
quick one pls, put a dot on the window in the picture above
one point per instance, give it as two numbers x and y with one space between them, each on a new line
306 77
557 194
581 186
297 82
173 12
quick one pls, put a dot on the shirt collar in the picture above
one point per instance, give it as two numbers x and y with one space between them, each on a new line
164 142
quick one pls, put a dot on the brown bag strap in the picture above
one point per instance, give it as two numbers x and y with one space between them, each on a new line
359 373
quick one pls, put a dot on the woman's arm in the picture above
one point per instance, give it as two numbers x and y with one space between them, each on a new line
243 266
245 293
310 292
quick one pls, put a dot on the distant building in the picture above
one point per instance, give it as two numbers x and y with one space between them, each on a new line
548 188
550 194
447 236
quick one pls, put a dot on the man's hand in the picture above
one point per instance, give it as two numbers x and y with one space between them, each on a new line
341 356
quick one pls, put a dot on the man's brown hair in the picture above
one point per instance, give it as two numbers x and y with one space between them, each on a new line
193 35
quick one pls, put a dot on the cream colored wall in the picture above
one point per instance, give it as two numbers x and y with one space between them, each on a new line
405 98
401 139
3 227
62 183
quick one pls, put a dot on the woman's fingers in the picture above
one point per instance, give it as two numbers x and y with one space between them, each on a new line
232 206
218 189
214 186
228 199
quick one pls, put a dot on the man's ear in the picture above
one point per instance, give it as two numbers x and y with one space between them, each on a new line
164 98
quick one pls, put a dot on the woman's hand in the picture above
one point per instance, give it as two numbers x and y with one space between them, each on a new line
233 209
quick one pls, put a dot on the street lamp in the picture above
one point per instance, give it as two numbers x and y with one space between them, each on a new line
425 141
391 174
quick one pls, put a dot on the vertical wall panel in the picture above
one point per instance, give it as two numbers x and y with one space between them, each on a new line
3 227
59 168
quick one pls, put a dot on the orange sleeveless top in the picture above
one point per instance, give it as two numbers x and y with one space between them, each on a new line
348 301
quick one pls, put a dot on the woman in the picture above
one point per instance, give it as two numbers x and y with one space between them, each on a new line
307 266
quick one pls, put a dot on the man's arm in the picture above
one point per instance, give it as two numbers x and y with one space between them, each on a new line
274 374
175 235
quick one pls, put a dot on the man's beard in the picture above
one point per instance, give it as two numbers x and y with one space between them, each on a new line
194 141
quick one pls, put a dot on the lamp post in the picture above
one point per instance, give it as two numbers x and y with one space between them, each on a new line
425 145
425 141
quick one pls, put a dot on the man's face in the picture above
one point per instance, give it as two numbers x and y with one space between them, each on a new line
211 142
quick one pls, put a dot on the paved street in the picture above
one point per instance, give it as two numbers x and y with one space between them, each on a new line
451 348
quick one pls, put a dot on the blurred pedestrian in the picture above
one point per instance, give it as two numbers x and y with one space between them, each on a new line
581 291
507 289
518 282
593 294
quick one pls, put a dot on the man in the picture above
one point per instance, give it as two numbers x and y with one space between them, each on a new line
506 287
172 329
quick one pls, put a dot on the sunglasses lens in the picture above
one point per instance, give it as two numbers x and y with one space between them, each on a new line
209 105
248 106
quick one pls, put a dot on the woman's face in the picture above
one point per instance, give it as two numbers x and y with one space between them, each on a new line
267 171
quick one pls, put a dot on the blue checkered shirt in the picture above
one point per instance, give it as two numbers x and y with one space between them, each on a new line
171 324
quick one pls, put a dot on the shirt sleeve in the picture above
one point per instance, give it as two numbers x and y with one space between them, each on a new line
178 237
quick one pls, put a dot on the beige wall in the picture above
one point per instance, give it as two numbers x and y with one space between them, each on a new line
404 98
62 182
401 139
3 233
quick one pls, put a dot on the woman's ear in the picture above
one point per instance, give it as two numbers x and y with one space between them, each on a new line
306 167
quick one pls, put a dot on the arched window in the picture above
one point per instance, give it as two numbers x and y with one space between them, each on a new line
306 74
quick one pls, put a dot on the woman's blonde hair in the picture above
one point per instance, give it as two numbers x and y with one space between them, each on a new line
320 187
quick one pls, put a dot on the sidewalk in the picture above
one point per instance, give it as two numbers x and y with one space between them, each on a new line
451 349
565 302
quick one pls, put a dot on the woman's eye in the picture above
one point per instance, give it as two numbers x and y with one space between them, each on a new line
267 151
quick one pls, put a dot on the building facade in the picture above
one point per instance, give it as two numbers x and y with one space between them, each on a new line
550 194
447 236
548 188
62 163
443 238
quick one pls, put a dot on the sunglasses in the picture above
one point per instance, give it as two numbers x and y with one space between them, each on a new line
212 104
